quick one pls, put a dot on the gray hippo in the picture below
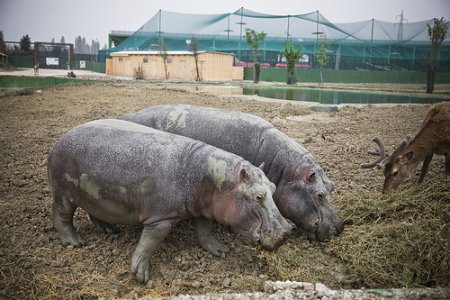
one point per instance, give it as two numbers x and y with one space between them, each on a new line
124 173
302 188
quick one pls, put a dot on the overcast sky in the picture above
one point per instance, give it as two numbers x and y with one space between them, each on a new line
46 19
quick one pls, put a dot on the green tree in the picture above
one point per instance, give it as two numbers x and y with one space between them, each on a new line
253 39
321 54
292 57
25 44
437 34
2 43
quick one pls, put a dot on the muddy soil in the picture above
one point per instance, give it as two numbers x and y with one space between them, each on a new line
35 265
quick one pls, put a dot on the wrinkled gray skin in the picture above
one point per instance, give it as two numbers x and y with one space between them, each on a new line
302 187
124 173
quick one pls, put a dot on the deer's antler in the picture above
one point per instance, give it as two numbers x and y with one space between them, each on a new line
381 153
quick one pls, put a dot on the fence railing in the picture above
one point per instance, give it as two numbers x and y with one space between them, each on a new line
280 74
345 76
28 62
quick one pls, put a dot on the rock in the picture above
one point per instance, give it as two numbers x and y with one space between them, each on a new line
150 284
322 291
325 108
226 282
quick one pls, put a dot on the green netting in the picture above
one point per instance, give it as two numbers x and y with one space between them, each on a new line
370 44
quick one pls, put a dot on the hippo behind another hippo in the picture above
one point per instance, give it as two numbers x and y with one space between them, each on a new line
124 173
302 187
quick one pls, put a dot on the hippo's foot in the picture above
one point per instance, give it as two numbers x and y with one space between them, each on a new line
62 211
213 246
152 236
71 240
67 233
103 226
206 239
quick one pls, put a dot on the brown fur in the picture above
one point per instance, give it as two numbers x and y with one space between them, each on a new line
432 138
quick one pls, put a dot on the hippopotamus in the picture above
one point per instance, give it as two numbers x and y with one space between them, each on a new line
302 187
125 173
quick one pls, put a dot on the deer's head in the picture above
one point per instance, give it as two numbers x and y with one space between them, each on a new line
396 166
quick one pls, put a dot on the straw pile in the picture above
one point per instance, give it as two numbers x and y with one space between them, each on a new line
393 241
398 240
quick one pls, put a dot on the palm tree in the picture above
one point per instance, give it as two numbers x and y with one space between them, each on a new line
437 35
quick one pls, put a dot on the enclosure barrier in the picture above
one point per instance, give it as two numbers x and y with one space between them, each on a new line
345 76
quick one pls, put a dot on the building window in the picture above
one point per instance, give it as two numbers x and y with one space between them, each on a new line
145 59
120 59
169 59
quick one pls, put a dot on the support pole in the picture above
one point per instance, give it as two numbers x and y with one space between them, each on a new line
371 41
159 31
287 32
240 32
71 56
36 53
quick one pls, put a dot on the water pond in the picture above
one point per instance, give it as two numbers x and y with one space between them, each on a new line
327 96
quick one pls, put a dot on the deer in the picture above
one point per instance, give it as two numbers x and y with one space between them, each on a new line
433 138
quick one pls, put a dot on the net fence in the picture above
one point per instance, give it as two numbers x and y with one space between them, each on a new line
370 44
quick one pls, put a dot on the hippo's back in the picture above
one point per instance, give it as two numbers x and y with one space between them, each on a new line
233 131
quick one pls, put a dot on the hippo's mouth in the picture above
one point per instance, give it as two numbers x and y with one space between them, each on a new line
323 232
256 237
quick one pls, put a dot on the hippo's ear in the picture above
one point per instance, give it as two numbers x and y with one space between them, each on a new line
261 166
243 175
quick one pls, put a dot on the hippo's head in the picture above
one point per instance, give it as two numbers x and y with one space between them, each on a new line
302 196
249 208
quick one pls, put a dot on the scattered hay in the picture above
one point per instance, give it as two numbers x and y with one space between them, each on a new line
392 241
300 260
400 239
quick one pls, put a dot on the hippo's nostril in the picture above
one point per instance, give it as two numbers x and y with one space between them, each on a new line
320 196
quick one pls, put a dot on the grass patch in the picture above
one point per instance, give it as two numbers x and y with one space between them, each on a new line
22 82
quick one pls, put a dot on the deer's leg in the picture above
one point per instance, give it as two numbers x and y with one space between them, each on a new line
447 163
426 164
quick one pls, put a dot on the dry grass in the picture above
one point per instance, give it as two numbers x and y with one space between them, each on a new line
398 240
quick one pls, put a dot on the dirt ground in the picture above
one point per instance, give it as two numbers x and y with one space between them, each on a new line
35 265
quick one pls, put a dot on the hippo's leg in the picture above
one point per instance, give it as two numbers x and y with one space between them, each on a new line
103 226
151 237
62 211
207 241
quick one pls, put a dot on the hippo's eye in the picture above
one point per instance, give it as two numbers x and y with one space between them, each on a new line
259 198
312 177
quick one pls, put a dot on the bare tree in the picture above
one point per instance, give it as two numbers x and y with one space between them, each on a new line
165 55
193 46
